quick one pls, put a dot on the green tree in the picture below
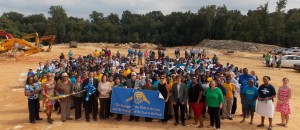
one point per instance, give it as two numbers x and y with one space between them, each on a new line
59 19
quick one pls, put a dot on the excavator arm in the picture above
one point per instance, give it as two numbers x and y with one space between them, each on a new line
51 42
8 44
33 35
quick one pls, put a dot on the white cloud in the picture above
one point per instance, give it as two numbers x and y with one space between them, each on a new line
82 8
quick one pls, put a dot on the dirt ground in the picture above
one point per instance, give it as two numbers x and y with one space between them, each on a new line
14 109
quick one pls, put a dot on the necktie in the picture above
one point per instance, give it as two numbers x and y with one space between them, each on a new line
91 81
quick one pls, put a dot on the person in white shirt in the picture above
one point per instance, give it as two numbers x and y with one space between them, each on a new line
104 90
237 89
40 67
52 68
199 53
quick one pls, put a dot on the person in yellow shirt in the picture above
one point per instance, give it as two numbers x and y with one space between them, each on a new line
173 78
96 53
43 78
102 53
230 88
99 75
127 71
169 86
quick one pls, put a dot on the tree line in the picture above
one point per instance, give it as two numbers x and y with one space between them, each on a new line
178 28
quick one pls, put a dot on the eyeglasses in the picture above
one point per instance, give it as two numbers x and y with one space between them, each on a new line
48 76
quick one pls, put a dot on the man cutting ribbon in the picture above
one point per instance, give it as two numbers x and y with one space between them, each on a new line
91 103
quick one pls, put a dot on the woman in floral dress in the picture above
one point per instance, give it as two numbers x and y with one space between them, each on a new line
48 91
283 104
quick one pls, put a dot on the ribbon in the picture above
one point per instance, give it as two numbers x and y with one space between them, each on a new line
65 95
90 90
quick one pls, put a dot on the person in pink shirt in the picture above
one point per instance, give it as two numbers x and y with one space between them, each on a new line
146 54
283 102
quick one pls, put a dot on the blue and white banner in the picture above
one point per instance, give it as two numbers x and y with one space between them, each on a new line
137 102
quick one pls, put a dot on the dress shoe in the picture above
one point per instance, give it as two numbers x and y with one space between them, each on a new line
39 119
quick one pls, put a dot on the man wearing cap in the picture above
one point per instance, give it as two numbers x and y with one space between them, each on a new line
64 88
92 103
134 83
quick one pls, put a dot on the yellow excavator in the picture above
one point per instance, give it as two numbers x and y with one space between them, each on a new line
9 44
33 35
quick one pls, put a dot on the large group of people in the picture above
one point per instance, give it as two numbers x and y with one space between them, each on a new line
190 84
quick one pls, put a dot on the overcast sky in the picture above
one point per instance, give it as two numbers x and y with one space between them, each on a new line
82 8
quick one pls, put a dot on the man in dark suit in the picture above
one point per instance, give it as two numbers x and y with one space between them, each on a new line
179 97
134 83
92 103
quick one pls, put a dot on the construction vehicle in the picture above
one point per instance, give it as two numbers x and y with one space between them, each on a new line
51 42
6 35
43 38
73 44
9 44
33 35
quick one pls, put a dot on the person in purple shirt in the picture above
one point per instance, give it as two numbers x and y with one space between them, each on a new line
30 73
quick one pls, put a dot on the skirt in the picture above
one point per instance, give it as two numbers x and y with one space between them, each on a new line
265 108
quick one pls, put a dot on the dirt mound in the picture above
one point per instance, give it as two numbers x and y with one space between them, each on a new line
122 45
236 45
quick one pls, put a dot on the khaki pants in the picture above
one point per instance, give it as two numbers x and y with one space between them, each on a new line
227 107
65 106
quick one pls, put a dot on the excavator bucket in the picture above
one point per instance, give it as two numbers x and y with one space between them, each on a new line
49 49
51 42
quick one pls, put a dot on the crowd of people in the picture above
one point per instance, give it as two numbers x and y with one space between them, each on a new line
192 84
